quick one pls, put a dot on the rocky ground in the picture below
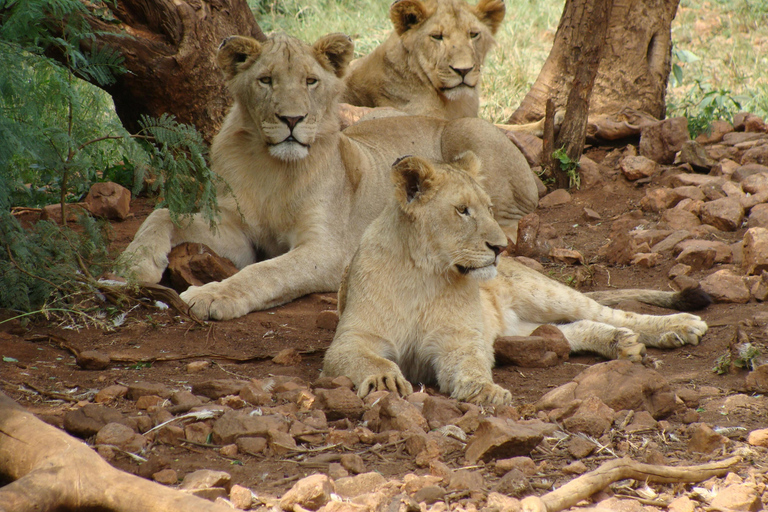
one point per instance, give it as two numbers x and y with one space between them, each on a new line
237 411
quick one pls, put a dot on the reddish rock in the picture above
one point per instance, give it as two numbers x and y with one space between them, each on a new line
206 479
646 259
738 497
89 419
280 442
636 167
399 414
704 440
251 445
658 199
217 388
197 432
755 252
725 286
235 424
138 389
109 200
339 403
241 497
110 393
147 401
696 180
555 198
592 417
756 155
579 447
567 256
498 438
545 347
697 256
364 483
725 214
440 411
757 379
52 212
660 141
310 493
671 241
195 264
287 357
694 154
742 172
717 130
678 219
758 437
255 394
166 477
117 434
328 320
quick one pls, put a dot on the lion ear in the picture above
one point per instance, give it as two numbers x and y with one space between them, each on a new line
413 178
234 52
491 12
335 51
468 162
406 14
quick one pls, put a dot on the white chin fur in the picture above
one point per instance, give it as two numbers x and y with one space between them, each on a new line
289 151
483 274
458 92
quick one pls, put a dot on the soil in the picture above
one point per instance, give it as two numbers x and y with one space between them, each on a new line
43 368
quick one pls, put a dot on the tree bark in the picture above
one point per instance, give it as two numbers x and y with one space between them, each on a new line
633 70
170 56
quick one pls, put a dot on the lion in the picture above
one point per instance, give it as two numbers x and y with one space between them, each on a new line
304 191
431 64
427 293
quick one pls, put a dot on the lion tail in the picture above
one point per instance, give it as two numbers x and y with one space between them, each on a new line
689 299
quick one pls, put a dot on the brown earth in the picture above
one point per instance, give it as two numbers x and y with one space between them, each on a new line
42 370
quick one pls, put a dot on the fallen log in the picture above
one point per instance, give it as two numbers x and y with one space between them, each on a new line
589 483
50 470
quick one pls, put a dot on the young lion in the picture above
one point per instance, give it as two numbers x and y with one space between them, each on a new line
304 191
421 300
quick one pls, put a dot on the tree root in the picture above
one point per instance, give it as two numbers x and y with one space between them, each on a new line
50 470
586 485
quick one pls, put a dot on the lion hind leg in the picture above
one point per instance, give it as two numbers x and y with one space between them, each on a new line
660 331
604 339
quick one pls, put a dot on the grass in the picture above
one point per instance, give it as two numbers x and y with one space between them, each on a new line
729 37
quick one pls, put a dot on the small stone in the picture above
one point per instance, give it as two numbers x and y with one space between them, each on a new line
646 259
498 502
327 320
591 214
196 264
567 256
287 357
119 435
206 479
138 389
235 424
513 483
697 256
353 463
592 417
110 393
660 141
693 153
682 504
636 167
280 442
217 388
758 437
658 199
555 198
339 403
757 379
429 494
579 447
166 477
523 464
147 401
727 287
642 421
93 360
497 438
680 269
575 468
725 214
679 219
197 432
241 497
228 450
52 212
758 217
109 200
737 497
704 440
352 486
440 411
89 419
251 445
755 252
399 414
198 366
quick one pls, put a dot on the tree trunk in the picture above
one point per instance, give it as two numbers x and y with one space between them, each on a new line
170 57
634 68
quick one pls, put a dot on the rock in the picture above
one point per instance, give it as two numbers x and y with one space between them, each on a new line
646 259
147 401
117 434
89 419
658 199
704 440
255 394
590 214
567 256
636 167
198 366
755 184
440 411
758 217
52 212
93 360
620 385
398 414
660 141
555 198
725 214
530 146
737 497
287 357
466 480
138 389
109 200
723 252
235 424
575 468
696 180
757 379
678 270
671 241
546 346
757 155
746 170
328 320
740 137
535 239
197 432
280 442
429 494
206 479
241 497
217 388
498 438
679 219
310 493
523 464
251 445
642 421
726 286
592 417
717 130
339 403
755 252
579 447
693 153
513 483
214 494
364 483
498 502
166 477
353 463
195 264
109 394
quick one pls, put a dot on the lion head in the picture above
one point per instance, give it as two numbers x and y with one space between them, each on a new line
447 40
286 88
448 216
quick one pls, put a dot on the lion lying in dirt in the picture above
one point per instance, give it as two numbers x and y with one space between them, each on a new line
304 191
427 293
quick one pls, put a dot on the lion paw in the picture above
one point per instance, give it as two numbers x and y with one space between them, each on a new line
482 393
683 329
211 302
145 268
392 382
628 346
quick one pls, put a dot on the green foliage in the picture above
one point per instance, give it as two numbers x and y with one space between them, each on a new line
703 104
746 358
568 166
680 56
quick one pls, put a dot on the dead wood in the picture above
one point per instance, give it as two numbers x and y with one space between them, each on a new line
589 483
50 470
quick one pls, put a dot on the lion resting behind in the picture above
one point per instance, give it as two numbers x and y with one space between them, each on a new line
304 191
426 295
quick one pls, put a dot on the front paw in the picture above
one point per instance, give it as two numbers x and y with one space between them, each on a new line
142 266
628 346
481 393
683 329
212 301
390 381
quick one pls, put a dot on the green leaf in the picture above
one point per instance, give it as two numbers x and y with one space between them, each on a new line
10 360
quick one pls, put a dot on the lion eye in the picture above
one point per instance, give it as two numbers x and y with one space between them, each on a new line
474 35
311 81
436 37
462 210
266 80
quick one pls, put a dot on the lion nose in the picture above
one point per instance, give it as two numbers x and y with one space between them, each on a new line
291 121
496 248
461 71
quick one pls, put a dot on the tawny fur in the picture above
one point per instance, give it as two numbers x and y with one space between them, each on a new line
306 190
410 313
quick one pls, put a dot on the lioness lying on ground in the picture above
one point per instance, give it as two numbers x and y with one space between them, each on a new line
303 190
422 302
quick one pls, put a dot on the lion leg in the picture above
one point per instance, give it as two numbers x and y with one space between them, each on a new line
603 339
661 331
147 255
464 371
360 358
